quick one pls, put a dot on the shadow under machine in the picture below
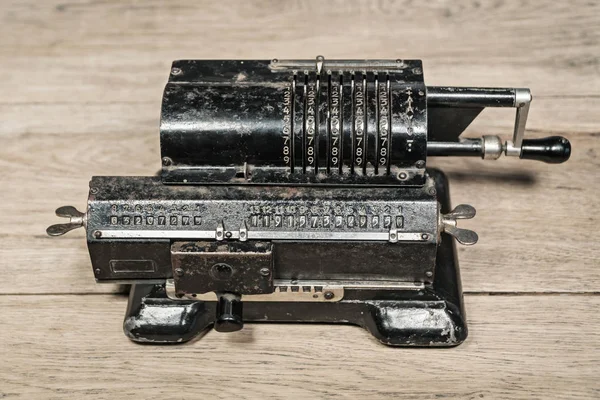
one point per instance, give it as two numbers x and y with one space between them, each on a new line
298 191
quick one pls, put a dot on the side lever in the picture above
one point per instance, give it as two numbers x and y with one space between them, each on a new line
448 224
552 150
76 220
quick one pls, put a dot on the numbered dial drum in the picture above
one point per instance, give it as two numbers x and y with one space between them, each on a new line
259 122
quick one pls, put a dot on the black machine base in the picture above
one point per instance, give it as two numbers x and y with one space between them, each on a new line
429 317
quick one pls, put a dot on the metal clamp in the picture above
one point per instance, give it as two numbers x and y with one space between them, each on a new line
447 224
76 219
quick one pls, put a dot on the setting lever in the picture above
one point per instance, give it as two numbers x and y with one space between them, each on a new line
76 220
448 224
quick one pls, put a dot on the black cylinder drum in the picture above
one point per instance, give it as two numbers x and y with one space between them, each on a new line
263 122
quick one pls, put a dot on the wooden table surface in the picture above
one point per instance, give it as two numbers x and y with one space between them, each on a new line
80 96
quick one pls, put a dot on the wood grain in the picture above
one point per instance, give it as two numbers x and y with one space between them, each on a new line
80 95
520 347
118 51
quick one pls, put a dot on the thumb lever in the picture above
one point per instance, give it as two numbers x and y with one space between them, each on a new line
448 224
76 220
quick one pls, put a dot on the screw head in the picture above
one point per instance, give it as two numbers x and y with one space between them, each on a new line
429 274
176 71
420 164
97 234
274 61
166 161
265 271
425 236
402 176
97 271
328 295
179 272
432 191
228 234
94 190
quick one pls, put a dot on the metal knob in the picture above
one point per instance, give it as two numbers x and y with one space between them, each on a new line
76 220
448 224
229 312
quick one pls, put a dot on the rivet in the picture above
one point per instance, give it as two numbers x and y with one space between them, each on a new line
274 61
425 236
176 71
228 234
420 164
328 295
402 176
178 271
166 161
97 234
429 274
97 271
432 191
265 272
393 236
94 190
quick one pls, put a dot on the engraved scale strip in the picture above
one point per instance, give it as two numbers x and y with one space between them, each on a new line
259 235
300 291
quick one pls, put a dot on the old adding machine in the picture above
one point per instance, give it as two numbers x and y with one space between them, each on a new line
298 191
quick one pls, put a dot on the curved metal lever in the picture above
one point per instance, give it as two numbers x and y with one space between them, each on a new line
448 224
76 220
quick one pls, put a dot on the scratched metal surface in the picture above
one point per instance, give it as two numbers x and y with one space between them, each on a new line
81 96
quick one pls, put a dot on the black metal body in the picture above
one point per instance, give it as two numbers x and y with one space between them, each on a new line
298 191
300 222
248 122
432 317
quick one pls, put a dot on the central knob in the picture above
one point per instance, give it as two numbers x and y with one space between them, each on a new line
229 312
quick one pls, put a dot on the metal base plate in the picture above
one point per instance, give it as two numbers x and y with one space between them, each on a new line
432 316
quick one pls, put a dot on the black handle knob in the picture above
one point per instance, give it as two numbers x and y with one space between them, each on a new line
229 313
553 149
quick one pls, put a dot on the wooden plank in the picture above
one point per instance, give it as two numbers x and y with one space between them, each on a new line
121 51
520 347
533 238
